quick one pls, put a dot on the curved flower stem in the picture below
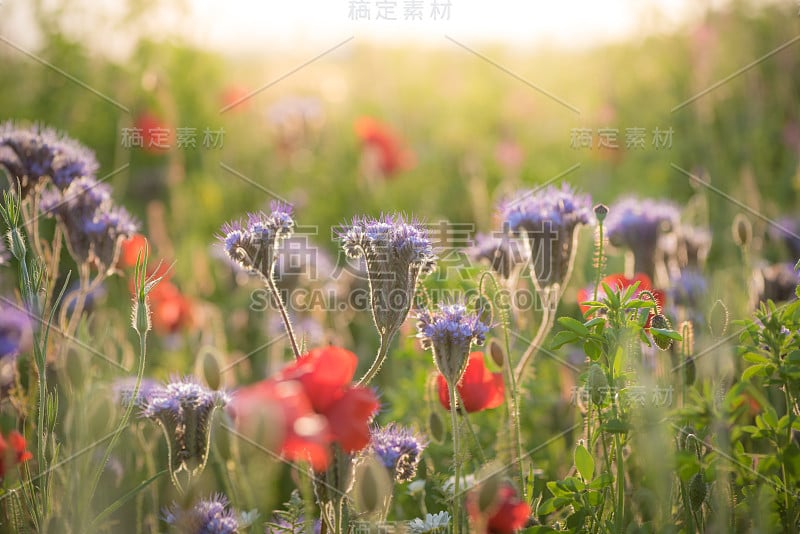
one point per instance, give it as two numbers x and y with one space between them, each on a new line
383 350
125 417
456 460
481 455
276 297
548 319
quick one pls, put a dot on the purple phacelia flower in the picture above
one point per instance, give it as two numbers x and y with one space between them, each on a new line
33 154
398 449
787 230
449 333
122 390
94 227
208 516
252 244
689 289
183 408
397 253
776 282
638 224
503 254
547 219
16 331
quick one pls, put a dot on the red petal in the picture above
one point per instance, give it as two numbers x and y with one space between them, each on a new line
584 295
645 284
350 416
480 389
324 373
615 281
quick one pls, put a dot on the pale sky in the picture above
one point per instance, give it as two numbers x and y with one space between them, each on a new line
236 26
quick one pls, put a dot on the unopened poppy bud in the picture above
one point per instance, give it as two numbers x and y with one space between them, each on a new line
436 428
718 319
600 211
742 230
596 383
661 322
697 491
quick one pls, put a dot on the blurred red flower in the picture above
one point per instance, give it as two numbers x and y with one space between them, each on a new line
317 402
234 97
618 282
383 147
507 515
131 248
157 136
170 309
480 389
325 374
12 451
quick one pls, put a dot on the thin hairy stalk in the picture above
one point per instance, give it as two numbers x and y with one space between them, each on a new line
513 394
380 357
456 460
126 416
276 297
548 319
600 259
481 456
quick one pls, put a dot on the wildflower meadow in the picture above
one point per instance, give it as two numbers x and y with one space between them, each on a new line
454 288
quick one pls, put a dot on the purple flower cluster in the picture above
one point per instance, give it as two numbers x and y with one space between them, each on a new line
776 282
252 244
209 516
16 332
637 224
183 408
450 333
93 225
547 219
33 154
787 230
397 252
398 449
502 254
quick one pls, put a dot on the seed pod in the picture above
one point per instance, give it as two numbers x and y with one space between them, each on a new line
660 321
597 383
436 427
600 211
373 487
689 371
742 230
718 319
697 491
208 366
497 353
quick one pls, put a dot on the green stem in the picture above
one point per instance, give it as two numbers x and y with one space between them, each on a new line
383 350
619 515
126 416
481 456
599 266
550 301
456 460
276 297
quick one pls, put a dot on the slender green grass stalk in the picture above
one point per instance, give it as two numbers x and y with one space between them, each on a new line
513 394
276 297
380 357
141 323
550 301
478 448
456 460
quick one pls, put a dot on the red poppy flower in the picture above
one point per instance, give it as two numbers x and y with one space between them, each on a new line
618 282
388 150
131 248
317 404
480 389
507 515
16 453
170 309
157 136
281 414
325 374
234 97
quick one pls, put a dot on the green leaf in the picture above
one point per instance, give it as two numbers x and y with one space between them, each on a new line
754 357
584 462
562 338
616 426
666 332
574 325
603 481
754 370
